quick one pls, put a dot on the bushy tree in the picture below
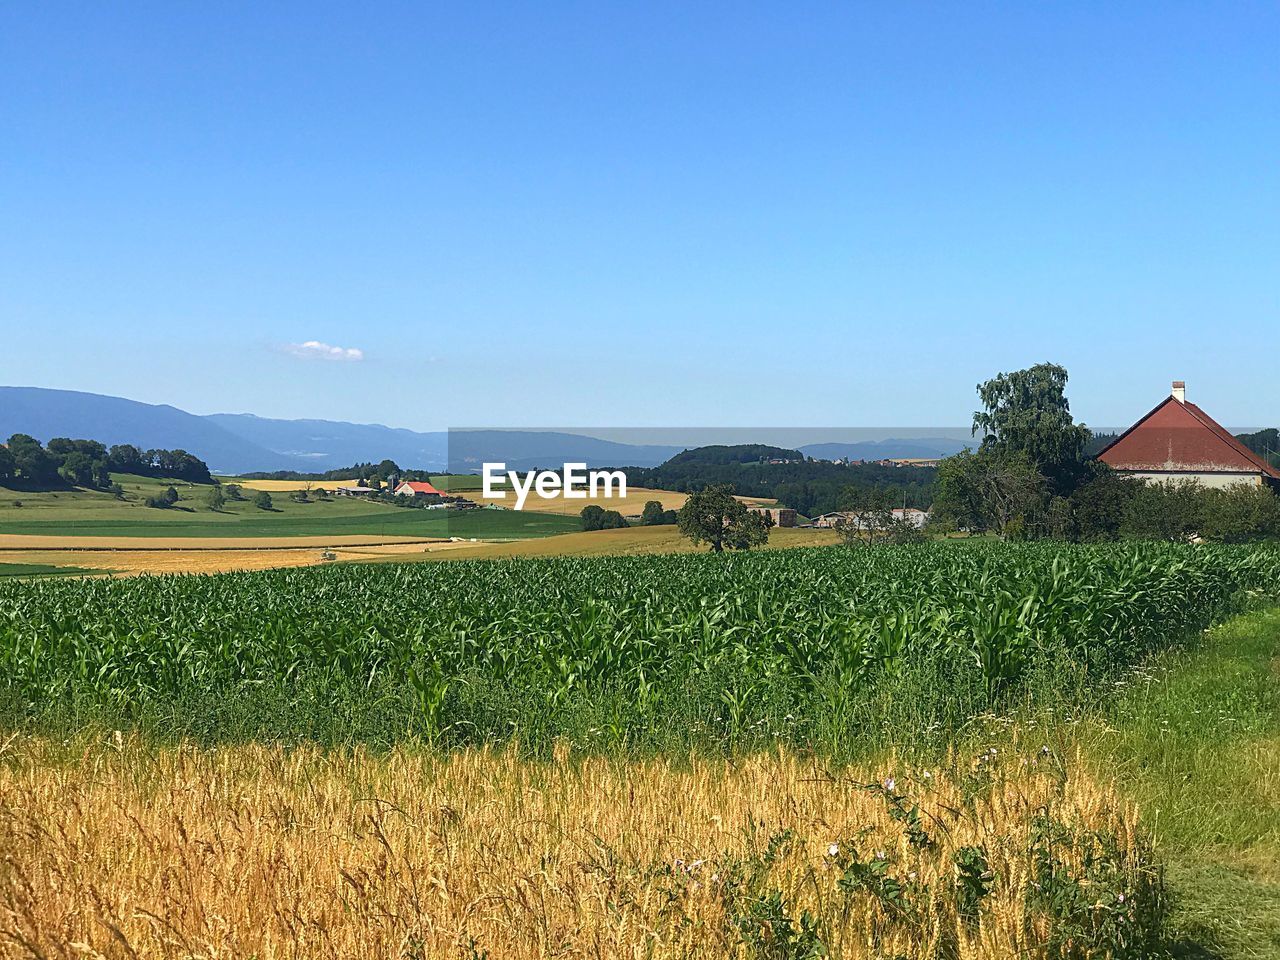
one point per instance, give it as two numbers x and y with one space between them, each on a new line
958 499
654 515
163 501
992 491
1101 503
78 469
1026 414
7 464
595 517
262 500
1171 510
1240 513
31 461
232 491
126 458
61 447
214 499
716 517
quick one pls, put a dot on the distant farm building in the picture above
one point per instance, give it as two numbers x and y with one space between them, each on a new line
351 490
914 461
1179 441
915 517
781 516
417 488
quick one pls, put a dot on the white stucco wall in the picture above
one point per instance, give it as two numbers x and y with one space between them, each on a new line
1218 480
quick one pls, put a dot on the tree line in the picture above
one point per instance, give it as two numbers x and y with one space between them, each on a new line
385 471
89 463
810 487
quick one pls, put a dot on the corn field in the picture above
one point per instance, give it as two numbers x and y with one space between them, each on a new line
802 645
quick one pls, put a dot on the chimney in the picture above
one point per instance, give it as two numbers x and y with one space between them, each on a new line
1180 391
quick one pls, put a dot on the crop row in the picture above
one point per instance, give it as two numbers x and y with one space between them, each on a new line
469 649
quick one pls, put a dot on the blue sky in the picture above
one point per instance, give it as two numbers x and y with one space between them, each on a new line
645 214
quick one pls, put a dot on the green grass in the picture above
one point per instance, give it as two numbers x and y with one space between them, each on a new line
1196 741
388 521
459 482
38 570
81 512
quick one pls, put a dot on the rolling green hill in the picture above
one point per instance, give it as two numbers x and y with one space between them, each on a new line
81 512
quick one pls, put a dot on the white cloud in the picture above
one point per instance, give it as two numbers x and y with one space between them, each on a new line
315 350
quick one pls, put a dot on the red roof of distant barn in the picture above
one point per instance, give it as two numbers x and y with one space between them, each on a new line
1179 437
421 486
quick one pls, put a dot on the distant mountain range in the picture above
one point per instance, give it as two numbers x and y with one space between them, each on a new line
241 443
45 414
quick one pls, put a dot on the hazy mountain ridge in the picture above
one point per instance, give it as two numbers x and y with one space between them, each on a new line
45 413
241 442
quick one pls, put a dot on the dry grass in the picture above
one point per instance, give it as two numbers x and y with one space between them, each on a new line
611 543
123 851
630 505
130 556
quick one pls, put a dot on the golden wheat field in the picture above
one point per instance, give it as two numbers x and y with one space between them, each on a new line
630 505
121 850
629 541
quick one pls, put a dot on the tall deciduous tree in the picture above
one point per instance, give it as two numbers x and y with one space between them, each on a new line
1025 413
715 516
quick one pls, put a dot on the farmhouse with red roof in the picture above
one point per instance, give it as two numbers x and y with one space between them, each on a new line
417 488
1179 441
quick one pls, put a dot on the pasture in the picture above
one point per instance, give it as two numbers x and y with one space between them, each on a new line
33 567
90 513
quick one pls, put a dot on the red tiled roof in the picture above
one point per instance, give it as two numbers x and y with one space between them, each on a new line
1178 436
420 486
